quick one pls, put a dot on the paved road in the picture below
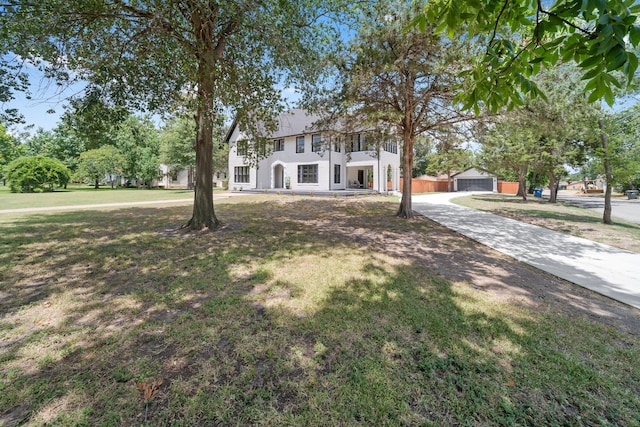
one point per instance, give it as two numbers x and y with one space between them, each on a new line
626 210
604 269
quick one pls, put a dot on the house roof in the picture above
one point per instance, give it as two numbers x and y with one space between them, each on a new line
290 123
478 170
295 122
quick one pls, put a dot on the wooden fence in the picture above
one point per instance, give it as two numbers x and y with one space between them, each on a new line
507 187
425 186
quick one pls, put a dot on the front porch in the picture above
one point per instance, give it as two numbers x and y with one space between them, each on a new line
360 177
372 177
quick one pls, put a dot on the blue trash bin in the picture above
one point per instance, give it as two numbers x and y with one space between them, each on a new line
537 192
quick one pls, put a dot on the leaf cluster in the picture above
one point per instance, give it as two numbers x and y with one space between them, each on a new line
544 134
521 37
10 148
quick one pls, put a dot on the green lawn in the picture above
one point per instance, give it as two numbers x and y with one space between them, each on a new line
299 311
559 216
86 195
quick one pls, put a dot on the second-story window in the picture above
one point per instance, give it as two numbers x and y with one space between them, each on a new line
300 144
278 145
316 143
242 147
355 143
391 147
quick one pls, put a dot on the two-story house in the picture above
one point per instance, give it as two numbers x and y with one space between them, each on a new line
305 157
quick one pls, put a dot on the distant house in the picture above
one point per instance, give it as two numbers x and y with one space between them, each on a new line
576 186
305 156
180 179
473 179
590 185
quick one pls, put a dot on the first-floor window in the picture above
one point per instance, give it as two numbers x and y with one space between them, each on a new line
336 174
307 174
241 174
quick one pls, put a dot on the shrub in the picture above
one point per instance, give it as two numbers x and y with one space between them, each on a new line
37 173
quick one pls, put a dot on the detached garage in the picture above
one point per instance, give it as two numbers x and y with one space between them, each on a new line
473 179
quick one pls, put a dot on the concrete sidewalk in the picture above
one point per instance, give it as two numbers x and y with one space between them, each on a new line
114 205
604 269
94 206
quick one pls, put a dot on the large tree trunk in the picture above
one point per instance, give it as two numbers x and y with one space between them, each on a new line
405 210
96 185
606 216
203 213
522 183
552 187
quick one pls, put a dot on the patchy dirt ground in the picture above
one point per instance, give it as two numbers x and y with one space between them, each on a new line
108 318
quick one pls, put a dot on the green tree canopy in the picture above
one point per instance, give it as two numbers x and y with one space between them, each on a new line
60 143
139 144
623 128
450 154
543 136
402 82
521 37
10 149
177 139
146 54
98 164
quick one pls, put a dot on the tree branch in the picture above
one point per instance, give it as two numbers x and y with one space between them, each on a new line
497 23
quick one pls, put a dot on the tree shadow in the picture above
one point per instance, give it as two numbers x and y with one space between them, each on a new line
404 337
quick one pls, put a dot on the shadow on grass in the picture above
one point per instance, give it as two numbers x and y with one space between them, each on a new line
588 218
307 312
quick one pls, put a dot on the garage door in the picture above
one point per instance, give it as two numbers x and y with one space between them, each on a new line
479 184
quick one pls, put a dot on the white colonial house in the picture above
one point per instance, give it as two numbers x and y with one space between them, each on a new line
305 157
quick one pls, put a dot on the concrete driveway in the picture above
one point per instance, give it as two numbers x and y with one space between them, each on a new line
604 269
623 209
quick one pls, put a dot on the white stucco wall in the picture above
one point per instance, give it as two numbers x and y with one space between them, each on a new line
263 176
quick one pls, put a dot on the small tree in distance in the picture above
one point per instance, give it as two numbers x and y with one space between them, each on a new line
98 164
10 149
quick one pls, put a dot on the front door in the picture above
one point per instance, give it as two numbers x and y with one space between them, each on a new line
361 177
278 176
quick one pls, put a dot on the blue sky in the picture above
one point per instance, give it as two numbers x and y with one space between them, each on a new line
45 95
